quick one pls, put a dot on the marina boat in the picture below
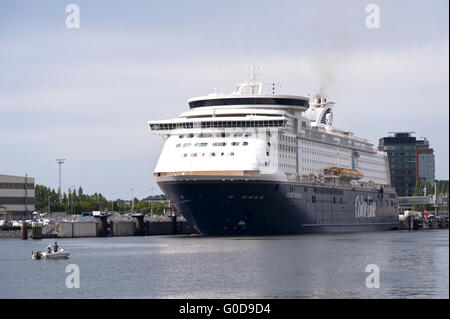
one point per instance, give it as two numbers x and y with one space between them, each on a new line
60 254
254 163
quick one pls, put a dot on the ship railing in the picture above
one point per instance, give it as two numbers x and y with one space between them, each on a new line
339 139
167 127
336 181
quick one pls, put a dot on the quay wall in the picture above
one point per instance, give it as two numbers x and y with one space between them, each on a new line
13 233
124 228
74 229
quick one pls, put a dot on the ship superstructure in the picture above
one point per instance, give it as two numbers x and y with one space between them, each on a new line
249 162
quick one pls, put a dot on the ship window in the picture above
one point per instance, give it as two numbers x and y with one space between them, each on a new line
220 144
212 154
245 143
313 199
186 144
178 145
184 155
231 154
180 136
201 144
235 144
190 135
222 154
243 101
194 155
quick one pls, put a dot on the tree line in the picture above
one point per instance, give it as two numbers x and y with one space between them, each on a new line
76 202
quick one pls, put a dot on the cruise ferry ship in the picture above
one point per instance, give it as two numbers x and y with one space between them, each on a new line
254 163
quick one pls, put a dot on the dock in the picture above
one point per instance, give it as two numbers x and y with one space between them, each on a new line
421 223
99 227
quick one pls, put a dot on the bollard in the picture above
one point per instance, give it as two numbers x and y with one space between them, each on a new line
24 231
36 230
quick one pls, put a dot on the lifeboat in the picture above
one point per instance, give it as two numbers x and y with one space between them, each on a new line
344 173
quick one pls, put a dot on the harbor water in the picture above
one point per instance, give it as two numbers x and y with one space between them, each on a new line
411 265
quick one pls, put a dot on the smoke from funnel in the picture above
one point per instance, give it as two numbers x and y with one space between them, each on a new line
327 66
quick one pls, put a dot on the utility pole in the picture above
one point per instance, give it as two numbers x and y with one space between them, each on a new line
60 161
151 200
73 192
132 200
26 197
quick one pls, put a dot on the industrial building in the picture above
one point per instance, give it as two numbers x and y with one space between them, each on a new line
16 197
410 159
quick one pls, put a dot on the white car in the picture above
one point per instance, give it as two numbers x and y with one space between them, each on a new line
2 222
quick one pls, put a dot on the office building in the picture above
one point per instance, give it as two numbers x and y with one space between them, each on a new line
16 197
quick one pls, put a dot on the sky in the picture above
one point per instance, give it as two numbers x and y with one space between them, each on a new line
85 94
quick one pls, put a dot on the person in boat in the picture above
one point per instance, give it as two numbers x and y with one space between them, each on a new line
55 247
49 249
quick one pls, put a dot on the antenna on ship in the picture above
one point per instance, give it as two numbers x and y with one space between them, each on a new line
254 72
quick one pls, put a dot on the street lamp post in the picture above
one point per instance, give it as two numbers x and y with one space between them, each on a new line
151 200
60 161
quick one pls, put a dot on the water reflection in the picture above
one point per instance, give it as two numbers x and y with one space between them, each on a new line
412 265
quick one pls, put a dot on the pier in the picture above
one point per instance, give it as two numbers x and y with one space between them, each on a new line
412 222
100 226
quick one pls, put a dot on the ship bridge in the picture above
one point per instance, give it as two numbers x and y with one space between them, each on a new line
247 94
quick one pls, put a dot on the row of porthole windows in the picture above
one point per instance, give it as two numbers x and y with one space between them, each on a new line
287 156
289 139
203 135
311 169
242 197
210 154
214 144
321 145
317 162
247 197
286 148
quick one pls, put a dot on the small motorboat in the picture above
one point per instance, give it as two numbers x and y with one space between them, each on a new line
60 254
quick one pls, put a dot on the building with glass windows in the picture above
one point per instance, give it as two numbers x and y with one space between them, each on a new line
401 152
410 159
16 197
425 166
